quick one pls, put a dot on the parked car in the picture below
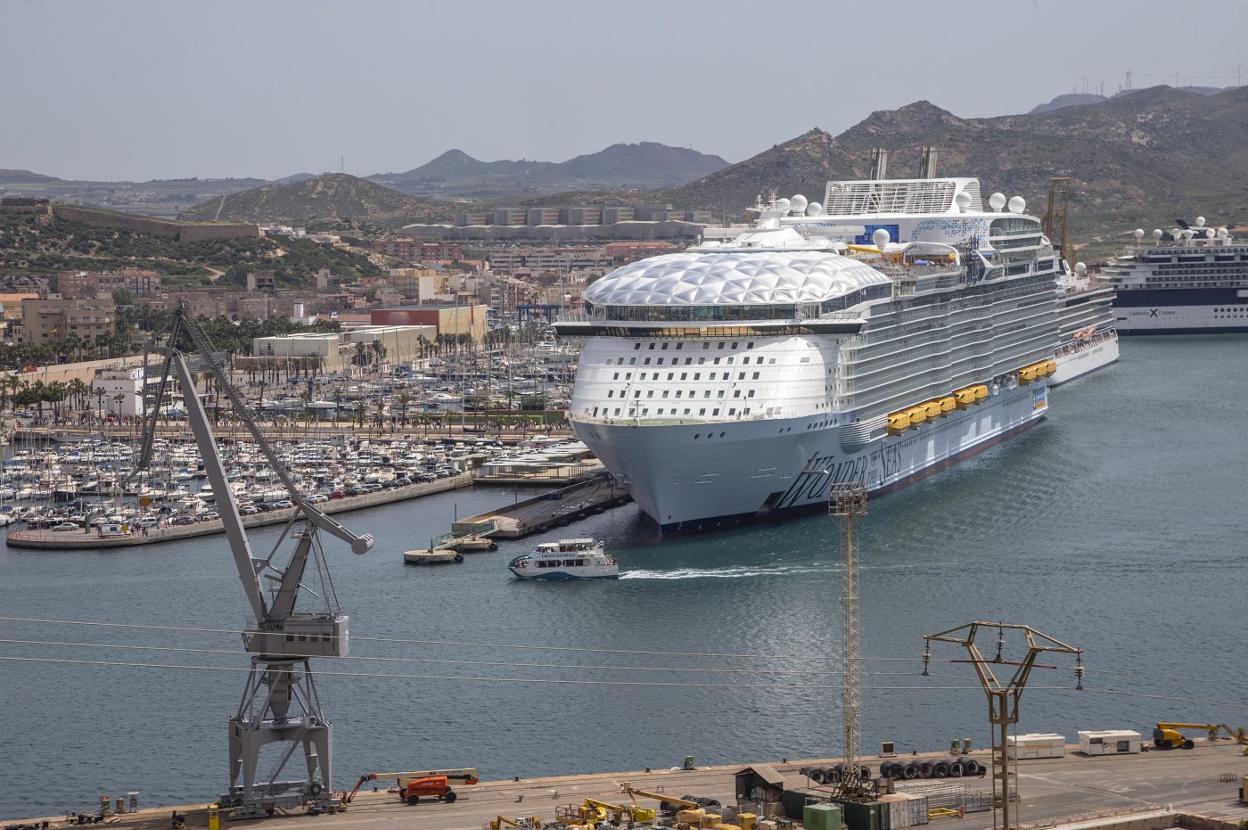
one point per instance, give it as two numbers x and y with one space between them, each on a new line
66 526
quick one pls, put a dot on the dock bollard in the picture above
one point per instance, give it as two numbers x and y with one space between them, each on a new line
214 819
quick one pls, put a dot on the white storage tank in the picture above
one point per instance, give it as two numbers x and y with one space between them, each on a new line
1036 745
1109 742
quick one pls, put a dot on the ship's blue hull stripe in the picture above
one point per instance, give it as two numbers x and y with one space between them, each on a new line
1155 297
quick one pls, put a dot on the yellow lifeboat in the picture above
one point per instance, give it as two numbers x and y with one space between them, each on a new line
931 409
948 404
981 392
916 415
898 422
964 397
1027 374
1050 366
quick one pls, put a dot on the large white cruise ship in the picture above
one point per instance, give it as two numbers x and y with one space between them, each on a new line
1190 280
1087 338
875 338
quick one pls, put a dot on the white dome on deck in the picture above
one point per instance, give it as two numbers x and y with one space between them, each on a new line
701 278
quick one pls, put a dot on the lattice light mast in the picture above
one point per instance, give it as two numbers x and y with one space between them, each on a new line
1003 697
1056 217
847 503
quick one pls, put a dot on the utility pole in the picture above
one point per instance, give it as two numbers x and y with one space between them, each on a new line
1003 697
846 503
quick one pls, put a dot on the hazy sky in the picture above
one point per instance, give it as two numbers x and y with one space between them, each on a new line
131 89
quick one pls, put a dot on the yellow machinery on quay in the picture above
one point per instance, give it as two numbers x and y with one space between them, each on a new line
1169 735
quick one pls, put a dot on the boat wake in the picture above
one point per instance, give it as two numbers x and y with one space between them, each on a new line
739 572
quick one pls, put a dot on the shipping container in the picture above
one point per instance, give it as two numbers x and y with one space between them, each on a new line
1036 745
872 816
1109 742
905 810
821 817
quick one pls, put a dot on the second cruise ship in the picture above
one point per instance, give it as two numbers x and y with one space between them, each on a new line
876 337
1189 280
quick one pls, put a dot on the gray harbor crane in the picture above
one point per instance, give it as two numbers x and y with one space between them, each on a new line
279 705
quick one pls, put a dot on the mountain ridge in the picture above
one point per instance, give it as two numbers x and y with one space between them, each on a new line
1150 148
645 164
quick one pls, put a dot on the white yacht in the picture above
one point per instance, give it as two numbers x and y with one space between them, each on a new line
875 338
1191 279
566 559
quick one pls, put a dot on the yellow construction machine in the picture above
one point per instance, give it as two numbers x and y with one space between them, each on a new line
690 810
1170 736
667 803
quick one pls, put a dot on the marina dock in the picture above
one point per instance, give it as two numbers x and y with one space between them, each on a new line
43 539
552 509
1150 791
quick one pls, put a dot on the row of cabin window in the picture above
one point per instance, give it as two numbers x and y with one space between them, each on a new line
683 376
693 393
632 361
706 344
555 563
646 412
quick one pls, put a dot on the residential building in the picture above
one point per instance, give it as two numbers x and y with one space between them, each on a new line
549 258
45 320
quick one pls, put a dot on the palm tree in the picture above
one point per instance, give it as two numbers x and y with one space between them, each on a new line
403 399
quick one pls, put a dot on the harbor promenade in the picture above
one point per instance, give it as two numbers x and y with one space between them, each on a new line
43 539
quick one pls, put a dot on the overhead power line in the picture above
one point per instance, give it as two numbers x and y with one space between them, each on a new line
462 643
483 679
448 661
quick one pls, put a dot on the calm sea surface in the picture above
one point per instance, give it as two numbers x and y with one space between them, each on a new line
1117 525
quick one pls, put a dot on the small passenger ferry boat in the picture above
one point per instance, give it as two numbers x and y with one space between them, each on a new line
566 559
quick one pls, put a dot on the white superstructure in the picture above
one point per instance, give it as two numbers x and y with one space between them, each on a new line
875 340
1087 338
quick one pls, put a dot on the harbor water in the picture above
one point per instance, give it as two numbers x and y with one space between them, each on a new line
1116 524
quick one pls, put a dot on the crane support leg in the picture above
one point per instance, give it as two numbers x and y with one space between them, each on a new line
280 706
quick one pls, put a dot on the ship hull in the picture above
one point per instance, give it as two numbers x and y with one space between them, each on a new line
692 477
1181 311
1083 359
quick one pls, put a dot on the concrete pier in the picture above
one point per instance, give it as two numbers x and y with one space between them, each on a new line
1195 789
552 509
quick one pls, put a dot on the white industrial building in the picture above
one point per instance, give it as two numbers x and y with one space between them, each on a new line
123 391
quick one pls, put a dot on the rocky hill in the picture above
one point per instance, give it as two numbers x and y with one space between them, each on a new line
620 166
1146 154
329 198
24 177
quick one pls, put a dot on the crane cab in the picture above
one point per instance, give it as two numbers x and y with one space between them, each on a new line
302 635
